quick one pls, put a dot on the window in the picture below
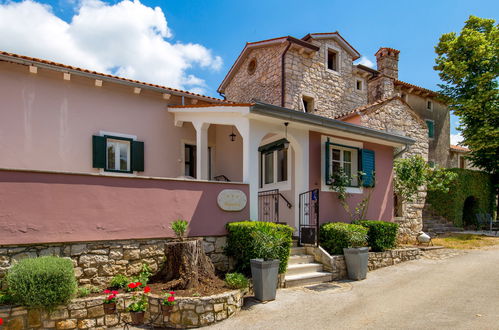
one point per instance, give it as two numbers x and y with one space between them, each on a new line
462 162
308 104
117 154
358 84
429 105
431 163
332 60
351 160
404 97
431 128
252 66
274 158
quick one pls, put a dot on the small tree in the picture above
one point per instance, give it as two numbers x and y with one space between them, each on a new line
339 183
413 174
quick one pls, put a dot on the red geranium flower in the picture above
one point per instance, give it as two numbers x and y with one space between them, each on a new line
172 292
147 289
107 291
132 285
138 284
1 321
114 292
171 299
111 297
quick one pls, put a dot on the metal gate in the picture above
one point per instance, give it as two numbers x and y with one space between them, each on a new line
268 205
309 217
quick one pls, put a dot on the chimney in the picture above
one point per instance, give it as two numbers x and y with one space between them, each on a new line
387 60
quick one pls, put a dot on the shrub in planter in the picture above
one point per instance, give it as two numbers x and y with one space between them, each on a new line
335 236
242 246
236 280
381 235
43 282
119 281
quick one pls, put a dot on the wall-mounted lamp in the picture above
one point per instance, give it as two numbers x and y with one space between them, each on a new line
286 144
232 135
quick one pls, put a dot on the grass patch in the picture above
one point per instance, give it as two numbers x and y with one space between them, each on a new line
466 241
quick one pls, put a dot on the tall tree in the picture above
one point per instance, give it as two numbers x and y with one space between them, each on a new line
468 63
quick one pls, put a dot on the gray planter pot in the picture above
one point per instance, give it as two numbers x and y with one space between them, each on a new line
356 260
264 274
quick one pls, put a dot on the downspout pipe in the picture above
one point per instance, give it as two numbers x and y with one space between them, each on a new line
404 149
283 73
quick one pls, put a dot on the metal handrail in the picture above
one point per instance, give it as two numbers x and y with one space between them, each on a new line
287 202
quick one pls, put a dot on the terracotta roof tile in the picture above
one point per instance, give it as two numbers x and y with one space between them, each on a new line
459 148
38 60
212 105
407 85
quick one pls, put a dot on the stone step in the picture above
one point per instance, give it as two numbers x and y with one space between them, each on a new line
297 269
300 259
307 278
298 250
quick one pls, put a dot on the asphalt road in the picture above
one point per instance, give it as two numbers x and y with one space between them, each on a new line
461 292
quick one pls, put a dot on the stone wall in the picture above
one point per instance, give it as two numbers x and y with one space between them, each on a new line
264 84
334 92
88 313
337 266
396 116
97 262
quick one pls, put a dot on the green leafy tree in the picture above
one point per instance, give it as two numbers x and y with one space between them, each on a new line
468 63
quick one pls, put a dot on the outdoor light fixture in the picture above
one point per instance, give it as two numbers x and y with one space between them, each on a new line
286 144
232 135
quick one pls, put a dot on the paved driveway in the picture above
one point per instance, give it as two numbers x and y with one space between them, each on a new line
461 292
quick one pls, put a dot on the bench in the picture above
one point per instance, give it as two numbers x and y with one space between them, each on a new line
485 219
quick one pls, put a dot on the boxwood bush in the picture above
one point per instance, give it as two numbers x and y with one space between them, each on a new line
236 281
334 236
381 235
241 243
43 282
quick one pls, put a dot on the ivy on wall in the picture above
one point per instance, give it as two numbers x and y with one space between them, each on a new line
469 183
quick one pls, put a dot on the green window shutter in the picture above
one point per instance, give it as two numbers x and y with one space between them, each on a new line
138 156
98 151
327 164
368 167
431 129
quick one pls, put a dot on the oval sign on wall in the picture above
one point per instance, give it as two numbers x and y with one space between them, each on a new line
231 200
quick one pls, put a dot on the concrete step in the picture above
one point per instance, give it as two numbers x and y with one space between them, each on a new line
307 278
298 250
298 269
300 259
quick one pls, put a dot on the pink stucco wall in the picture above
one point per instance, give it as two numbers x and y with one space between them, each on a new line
47 123
38 207
381 203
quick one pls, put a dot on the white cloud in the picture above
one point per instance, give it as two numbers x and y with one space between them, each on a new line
366 62
455 139
128 39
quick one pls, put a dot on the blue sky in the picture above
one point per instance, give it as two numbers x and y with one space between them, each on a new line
222 27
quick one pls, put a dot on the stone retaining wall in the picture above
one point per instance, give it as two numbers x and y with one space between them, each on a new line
336 263
88 313
97 262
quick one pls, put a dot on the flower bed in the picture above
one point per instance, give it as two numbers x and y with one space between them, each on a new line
86 313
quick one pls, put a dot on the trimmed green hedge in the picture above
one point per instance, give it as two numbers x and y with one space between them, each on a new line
43 282
334 236
241 242
468 183
381 235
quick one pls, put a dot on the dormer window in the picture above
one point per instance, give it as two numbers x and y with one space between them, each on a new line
332 60
307 104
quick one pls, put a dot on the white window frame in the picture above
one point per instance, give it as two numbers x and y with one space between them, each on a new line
282 185
110 135
338 59
354 161
117 154
346 144
431 105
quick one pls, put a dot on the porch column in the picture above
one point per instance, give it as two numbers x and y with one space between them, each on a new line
201 150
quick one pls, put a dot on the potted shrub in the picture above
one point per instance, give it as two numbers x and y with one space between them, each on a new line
265 268
350 239
138 306
109 302
168 303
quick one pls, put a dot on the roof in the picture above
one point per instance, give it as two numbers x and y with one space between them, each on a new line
459 148
397 82
392 50
371 107
211 105
27 60
334 35
257 44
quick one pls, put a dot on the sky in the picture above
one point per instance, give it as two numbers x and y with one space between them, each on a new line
191 45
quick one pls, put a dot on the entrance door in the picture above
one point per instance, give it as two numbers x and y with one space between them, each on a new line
309 217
